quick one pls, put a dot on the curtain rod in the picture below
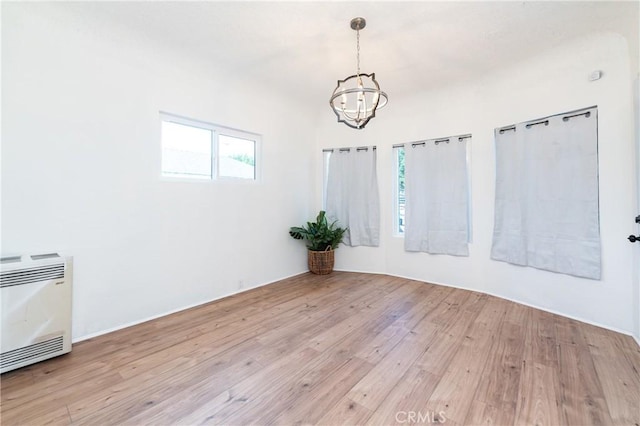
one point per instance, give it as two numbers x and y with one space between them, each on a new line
437 140
545 120
506 129
360 148
586 114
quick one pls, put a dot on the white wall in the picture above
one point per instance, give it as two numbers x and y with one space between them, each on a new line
81 167
548 83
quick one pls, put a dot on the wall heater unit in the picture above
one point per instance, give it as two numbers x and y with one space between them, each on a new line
35 292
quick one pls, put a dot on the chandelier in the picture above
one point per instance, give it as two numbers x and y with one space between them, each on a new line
357 97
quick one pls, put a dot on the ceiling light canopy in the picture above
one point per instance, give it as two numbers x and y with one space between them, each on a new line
357 97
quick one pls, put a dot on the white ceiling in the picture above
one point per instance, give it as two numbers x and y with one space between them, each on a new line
307 46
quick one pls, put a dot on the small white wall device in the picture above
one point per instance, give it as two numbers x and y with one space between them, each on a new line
35 295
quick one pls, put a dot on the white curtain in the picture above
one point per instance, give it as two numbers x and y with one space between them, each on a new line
352 195
546 207
436 190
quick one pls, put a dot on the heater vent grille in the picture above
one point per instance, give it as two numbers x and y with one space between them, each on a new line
35 352
32 275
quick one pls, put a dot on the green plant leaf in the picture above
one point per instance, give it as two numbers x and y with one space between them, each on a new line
320 234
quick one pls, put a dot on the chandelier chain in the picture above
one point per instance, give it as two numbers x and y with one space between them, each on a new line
358 49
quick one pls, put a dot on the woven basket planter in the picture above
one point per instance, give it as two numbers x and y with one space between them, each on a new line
321 262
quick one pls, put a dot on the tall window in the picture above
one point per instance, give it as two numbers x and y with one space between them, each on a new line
194 149
326 157
398 193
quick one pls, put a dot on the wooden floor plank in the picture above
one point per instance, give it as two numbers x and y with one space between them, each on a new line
375 386
497 391
376 347
537 402
618 378
410 395
456 390
256 391
345 412
201 392
581 397
347 348
311 406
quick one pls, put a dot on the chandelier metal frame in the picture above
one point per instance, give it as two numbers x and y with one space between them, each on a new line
356 99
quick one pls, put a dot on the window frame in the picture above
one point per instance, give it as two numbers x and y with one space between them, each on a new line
216 131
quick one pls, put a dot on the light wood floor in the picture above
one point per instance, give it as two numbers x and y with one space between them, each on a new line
340 349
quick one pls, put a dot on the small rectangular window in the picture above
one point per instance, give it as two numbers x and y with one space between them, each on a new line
193 149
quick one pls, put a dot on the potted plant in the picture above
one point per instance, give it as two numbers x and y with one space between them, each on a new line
322 239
